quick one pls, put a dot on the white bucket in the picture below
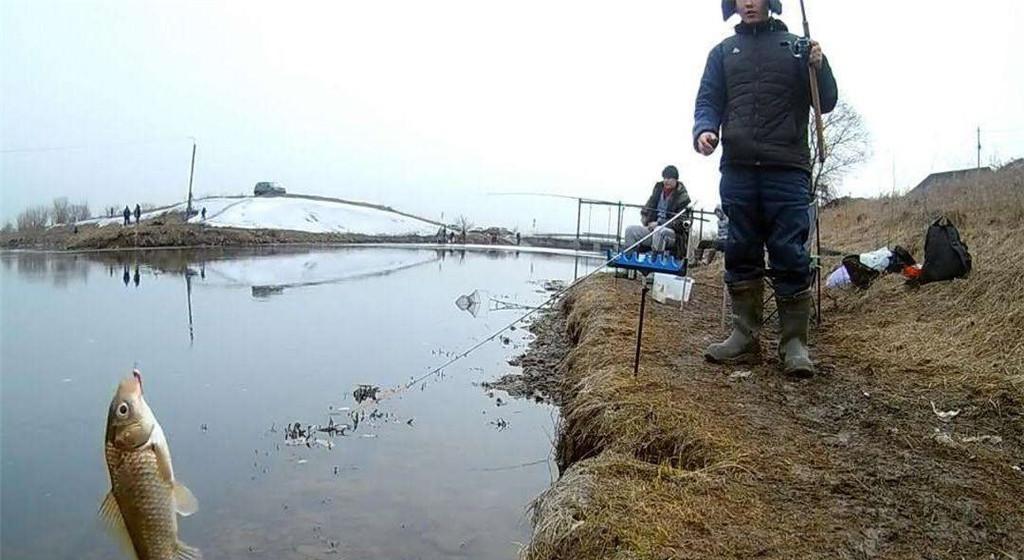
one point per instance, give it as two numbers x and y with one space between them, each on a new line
670 287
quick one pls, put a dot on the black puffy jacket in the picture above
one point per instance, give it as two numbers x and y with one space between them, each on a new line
677 203
758 92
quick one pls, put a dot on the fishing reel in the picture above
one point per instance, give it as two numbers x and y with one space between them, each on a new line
801 48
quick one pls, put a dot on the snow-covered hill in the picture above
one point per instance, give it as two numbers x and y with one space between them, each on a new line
295 213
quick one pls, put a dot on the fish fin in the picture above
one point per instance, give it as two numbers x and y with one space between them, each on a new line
185 502
113 522
158 443
186 552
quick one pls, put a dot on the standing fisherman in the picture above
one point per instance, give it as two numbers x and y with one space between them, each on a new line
756 91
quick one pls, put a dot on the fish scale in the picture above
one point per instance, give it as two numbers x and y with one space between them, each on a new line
145 501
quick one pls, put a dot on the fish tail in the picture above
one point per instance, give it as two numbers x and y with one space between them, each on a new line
186 552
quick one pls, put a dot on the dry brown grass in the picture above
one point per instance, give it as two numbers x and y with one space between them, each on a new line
683 461
638 422
653 469
966 332
614 506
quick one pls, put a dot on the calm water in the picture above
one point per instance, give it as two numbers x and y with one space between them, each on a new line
232 347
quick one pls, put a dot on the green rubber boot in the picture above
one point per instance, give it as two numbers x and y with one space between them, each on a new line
794 319
742 346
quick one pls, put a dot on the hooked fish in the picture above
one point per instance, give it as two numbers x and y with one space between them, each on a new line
144 500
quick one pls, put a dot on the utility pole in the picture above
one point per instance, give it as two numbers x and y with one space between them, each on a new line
979 147
191 172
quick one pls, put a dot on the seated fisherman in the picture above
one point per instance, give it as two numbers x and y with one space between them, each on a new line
668 198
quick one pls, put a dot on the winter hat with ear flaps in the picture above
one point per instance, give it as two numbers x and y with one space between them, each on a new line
729 7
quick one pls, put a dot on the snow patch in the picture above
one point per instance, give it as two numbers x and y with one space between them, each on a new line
314 216
292 213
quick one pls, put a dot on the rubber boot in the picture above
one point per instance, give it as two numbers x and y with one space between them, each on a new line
794 319
742 346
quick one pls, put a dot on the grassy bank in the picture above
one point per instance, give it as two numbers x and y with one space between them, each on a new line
171 231
693 460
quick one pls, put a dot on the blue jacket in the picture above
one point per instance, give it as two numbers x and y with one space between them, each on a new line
756 91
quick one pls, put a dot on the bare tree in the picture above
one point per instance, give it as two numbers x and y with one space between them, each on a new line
36 217
61 212
80 211
8 228
463 224
847 144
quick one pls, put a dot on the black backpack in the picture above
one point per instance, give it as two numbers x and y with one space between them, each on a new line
945 254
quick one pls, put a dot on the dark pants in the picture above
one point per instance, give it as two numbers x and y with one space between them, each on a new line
767 207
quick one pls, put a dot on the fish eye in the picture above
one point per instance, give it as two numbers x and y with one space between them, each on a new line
122 409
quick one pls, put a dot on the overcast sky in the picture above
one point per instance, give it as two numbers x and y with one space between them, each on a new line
431 106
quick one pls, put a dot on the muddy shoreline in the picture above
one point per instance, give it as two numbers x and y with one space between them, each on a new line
691 460
542 363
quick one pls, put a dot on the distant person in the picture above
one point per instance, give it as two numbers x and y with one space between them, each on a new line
519 238
138 213
136 278
723 229
127 216
451 237
667 199
127 276
204 213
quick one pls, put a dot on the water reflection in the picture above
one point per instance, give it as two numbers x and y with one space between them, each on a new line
259 340
189 273
36 267
265 291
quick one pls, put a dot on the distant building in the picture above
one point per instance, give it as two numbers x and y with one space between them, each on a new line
268 188
938 180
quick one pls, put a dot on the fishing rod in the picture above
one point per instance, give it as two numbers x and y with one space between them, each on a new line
554 297
822 151
815 92
549 195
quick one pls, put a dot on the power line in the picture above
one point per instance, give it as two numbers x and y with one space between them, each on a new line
92 145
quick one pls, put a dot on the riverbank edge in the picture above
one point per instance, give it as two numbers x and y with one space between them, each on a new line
171 233
691 460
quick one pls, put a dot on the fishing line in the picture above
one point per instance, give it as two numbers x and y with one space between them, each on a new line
533 311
